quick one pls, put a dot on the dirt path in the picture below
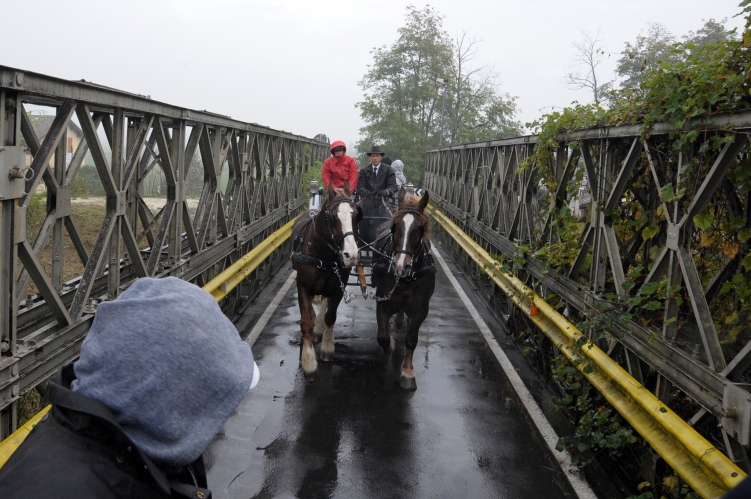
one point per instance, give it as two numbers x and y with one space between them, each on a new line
152 203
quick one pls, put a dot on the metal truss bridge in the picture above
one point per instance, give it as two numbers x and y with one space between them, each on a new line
210 199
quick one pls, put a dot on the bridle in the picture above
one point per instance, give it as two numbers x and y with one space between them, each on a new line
328 218
420 217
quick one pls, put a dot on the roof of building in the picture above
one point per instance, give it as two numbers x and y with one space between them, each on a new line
43 123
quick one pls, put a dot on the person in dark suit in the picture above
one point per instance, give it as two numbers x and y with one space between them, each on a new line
377 178
376 186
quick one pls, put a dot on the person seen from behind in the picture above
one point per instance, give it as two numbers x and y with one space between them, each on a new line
159 373
339 167
401 180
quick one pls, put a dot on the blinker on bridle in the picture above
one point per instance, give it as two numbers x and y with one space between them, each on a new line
328 218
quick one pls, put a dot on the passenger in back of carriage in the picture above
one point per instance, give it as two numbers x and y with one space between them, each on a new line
401 180
160 372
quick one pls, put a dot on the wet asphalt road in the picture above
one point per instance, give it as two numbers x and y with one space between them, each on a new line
354 433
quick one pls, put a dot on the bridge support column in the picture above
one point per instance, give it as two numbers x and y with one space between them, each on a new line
10 229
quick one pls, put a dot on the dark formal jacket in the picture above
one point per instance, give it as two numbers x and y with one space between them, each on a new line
79 450
386 180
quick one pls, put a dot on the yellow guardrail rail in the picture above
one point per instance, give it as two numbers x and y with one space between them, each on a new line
233 275
705 468
219 287
10 444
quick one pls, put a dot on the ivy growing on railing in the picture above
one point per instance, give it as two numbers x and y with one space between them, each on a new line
687 94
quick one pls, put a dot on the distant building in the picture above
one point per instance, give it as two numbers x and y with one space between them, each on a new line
42 126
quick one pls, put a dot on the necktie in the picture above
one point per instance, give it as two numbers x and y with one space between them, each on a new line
375 171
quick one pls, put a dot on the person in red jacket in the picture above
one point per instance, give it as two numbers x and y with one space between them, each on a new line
340 167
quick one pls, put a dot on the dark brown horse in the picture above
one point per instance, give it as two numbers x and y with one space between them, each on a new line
404 277
324 249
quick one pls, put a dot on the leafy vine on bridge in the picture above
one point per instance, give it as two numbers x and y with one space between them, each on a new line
688 92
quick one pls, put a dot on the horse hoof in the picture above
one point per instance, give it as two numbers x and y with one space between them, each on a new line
409 384
327 356
310 377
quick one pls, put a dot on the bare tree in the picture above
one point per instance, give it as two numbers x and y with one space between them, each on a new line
587 57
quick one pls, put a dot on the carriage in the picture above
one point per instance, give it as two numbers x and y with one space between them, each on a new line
376 210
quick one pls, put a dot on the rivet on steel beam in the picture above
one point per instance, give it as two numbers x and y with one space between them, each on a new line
15 390
90 307
4 346
14 370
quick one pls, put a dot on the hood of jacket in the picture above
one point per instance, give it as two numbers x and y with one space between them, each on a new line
398 166
336 144
169 365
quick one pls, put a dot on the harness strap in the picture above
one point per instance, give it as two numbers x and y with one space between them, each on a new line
425 270
312 261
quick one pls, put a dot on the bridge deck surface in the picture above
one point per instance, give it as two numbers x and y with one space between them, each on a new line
354 433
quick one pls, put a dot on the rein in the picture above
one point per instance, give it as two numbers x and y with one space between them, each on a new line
428 265
313 259
328 219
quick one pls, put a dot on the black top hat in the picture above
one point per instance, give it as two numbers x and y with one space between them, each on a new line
375 150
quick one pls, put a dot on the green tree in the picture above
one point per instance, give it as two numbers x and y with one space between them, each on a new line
402 103
645 54
642 58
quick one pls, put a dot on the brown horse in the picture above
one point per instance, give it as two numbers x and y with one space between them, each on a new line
324 250
404 277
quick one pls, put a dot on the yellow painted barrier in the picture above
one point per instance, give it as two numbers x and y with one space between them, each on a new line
233 275
10 444
705 468
219 287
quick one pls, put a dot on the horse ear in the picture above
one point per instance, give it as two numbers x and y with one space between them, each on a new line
332 191
402 194
424 201
346 187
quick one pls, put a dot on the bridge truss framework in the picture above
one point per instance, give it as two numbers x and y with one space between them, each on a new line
633 229
39 332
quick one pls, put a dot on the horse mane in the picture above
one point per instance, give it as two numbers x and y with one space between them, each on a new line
339 194
409 205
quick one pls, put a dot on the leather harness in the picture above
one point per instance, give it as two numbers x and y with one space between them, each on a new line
312 259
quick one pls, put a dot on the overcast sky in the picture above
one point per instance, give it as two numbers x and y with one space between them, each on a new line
294 64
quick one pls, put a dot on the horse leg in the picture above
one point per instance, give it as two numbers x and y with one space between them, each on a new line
320 325
385 340
399 320
307 354
327 343
407 380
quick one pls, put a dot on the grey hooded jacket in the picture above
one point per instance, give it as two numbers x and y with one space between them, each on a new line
398 166
160 371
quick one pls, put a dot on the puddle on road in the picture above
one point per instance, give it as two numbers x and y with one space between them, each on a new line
249 482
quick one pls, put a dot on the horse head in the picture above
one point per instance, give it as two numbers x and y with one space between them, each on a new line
410 227
341 217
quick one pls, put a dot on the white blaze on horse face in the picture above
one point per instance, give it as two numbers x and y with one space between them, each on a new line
344 214
401 258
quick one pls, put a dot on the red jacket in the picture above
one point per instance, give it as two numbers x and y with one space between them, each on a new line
337 169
